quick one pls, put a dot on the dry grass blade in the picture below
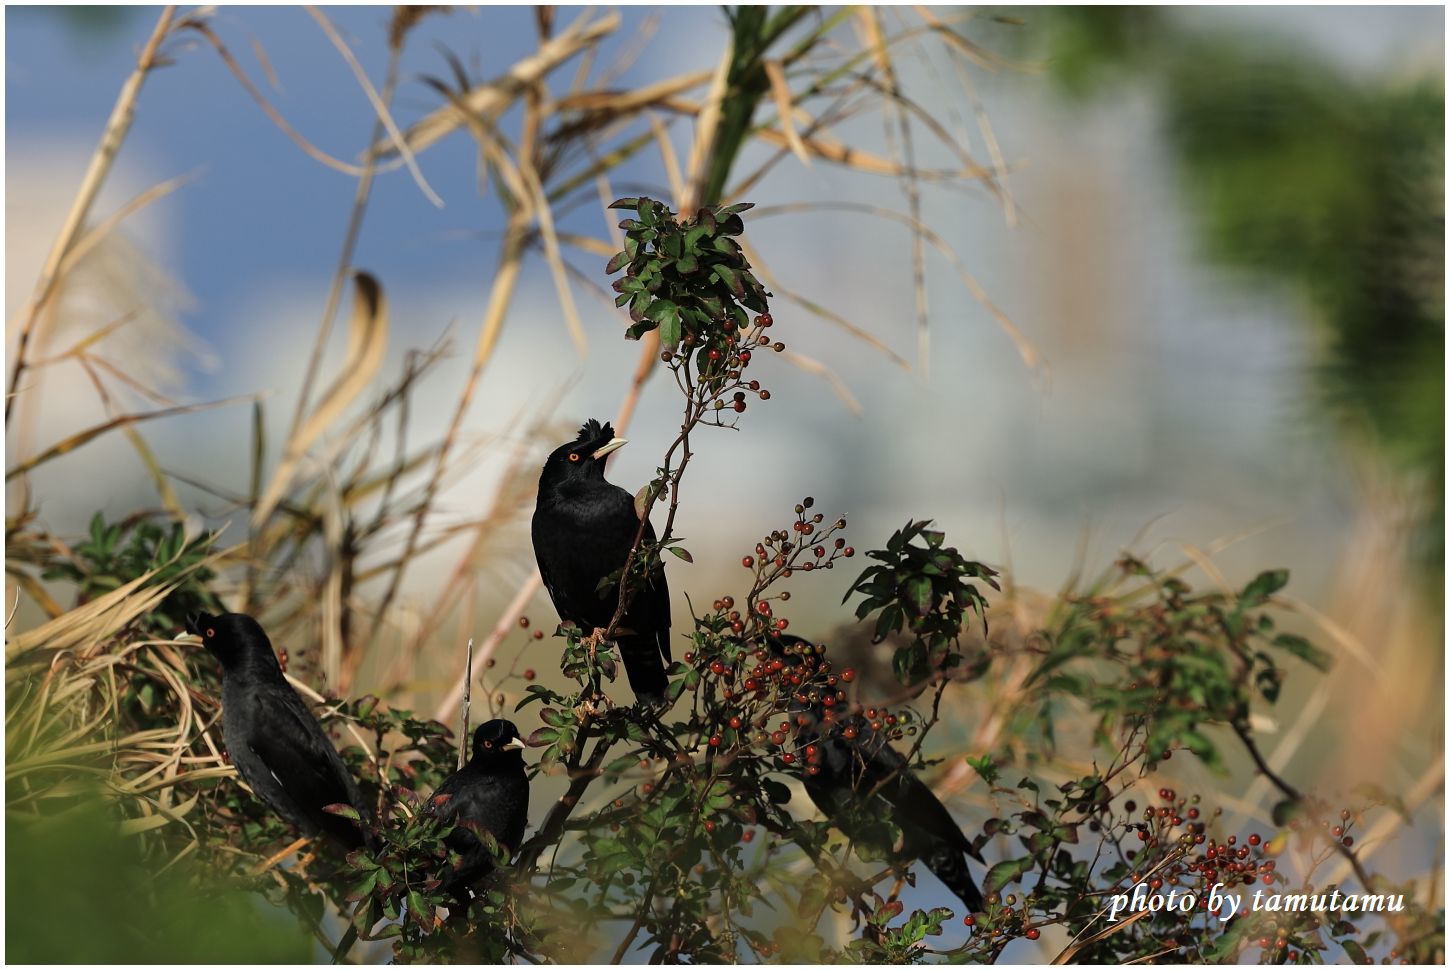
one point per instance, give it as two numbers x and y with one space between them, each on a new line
367 340
1026 349
614 103
108 225
91 622
384 115
812 366
310 149
707 126
120 421
545 216
784 104
860 333
667 155
490 99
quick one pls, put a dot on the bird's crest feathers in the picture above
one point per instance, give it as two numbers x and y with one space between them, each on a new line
592 429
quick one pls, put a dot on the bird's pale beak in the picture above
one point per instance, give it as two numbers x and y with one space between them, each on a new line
515 744
613 445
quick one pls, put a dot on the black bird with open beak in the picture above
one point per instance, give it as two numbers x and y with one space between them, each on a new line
491 792
583 529
862 776
275 742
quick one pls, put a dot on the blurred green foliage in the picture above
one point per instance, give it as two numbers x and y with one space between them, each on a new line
78 891
1303 172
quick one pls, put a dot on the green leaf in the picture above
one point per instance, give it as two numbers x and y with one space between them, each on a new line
627 203
682 553
1005 872
1303 649
730 279
1264 585
1355 951
918 593
670 330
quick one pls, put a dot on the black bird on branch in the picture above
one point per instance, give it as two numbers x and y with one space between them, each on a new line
862 778
583 530
490 793
275 742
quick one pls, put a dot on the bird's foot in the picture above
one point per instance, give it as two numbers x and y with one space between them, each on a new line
594 706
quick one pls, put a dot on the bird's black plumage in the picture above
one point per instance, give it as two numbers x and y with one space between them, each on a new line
852 769
275 742
490 791
583 529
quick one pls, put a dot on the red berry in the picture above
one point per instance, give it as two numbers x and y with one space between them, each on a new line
529 674
1033 933
709 826
969 920
538 634
764 320
1348 841
748 835
714 740
1255 839
788 758
524 622
848 552
782 623
745 357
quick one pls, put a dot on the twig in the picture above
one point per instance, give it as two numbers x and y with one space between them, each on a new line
1293 794
467 697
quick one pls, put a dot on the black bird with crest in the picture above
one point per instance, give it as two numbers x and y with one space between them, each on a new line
275 742
583 530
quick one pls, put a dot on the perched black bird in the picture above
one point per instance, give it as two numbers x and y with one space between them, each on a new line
490 792
852 768
583 530
274 741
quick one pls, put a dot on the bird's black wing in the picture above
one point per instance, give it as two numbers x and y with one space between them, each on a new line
916 804
291 749
928 829
650 611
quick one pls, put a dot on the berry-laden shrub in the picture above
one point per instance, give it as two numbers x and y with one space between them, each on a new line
682 834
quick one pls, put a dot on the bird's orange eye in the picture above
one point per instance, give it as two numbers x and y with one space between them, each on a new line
488 744
211 631
573 456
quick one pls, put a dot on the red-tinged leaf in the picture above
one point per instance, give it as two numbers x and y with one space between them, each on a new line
343 809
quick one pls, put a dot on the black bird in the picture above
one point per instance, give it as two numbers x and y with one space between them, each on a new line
491 792
274 741
852 768
583 530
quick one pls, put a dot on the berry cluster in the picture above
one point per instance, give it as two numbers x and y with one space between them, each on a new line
719 359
